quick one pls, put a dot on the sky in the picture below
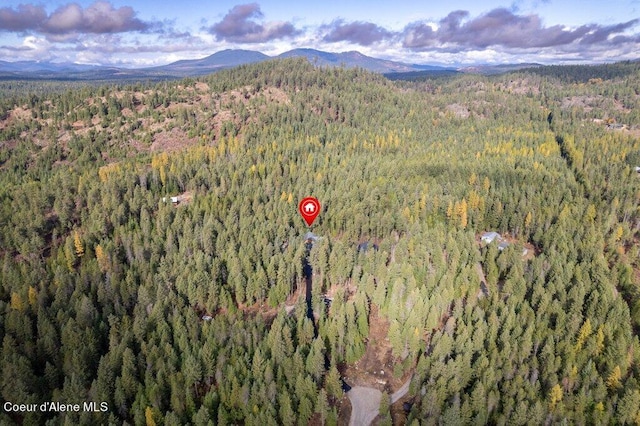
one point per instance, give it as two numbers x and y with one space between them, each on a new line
129 33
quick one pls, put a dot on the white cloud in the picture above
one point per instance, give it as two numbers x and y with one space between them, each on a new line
36 48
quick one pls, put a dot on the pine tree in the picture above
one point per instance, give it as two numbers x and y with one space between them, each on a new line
332 383
287 416
322 406
385 409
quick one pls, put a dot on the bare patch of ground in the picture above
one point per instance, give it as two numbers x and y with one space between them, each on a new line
185 198
531 250
375 368
522 87
202 87
587 103
19 113
274 94
459 111
633 131
620 106
16 114
584 102
8 144
172 140
348 287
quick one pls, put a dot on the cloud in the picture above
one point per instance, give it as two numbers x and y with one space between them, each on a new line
239 25
115 46
32 48
16 48
602 34
501 27
23 18
100 17
362 33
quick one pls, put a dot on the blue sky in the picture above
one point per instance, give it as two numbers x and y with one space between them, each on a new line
146 33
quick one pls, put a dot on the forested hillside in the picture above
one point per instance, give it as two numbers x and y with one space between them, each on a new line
195 312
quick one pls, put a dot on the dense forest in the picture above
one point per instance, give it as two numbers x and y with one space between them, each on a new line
194 312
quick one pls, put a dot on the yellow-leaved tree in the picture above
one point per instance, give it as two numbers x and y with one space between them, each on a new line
33 296
613 381
461 212
102 259
16 302
599 340
527 220
473 179
450 210
585 331
555 396
148 415
77 242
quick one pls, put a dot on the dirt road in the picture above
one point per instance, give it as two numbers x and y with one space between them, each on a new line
401 392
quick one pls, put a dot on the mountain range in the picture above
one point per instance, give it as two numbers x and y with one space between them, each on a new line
221 60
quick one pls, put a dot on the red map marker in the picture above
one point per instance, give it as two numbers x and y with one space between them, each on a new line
309 209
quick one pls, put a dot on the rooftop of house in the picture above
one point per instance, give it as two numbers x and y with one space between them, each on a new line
311 236
488 237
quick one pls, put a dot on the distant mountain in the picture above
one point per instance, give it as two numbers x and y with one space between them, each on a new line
28 70
231 58
350 60
496 69
43 70
421 75
37 66
223 59
326 58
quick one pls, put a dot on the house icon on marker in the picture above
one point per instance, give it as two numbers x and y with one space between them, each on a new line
309 208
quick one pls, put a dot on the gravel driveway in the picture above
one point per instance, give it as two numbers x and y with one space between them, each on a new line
365 403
